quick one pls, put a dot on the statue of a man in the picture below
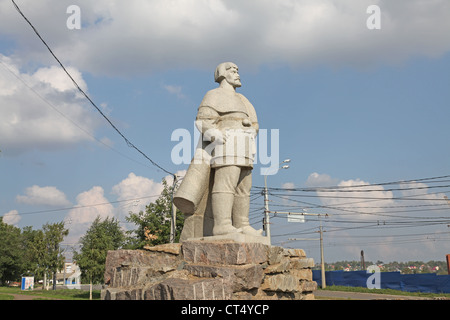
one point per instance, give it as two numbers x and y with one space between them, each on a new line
228 123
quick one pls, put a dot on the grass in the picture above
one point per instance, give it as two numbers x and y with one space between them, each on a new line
6 297
62 294
387 291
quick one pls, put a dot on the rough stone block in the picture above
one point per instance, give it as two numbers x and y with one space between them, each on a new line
295 253
281 282
174 248
280 267
308 286
129 266
242 277
302 274
198 270
181 289
275 254
301 263
224 252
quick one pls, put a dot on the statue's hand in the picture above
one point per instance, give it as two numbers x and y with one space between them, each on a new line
251 132
215 135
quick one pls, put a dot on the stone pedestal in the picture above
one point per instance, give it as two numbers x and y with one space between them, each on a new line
209 270
236 237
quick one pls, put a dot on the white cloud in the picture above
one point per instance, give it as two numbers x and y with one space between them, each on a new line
354 196
357 198
320 180
12 217
288 185
58 79
138 36
91 204
420 190
45 196
175 90
135 187
46 113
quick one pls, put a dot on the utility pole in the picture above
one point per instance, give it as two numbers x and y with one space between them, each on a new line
266 211
447 257
322 260
266 222
363 262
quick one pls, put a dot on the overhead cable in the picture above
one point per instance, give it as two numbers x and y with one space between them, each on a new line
128 142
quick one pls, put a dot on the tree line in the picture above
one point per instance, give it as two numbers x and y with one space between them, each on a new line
38 253
406 267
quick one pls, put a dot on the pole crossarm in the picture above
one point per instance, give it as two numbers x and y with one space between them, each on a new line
299 213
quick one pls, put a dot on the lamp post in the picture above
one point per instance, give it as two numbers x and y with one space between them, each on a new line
266 223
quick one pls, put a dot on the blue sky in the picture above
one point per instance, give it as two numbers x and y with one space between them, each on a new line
353 107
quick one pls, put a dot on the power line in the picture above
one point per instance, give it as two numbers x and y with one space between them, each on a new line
128 142
391 235
339 188
361 198
18 77
85 206
389 222
378 190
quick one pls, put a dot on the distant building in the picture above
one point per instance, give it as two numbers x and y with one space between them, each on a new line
70 276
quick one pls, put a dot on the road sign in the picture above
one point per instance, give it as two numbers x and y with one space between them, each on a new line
295 217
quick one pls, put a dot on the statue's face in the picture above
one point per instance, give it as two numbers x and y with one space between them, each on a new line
232 77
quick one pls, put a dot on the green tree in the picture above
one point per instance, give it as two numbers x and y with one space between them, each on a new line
153 225
99 238
53 256
11 253
34 251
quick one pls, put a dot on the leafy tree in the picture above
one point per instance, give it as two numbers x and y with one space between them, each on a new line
53 256
35 252
11 257
153 225
99 238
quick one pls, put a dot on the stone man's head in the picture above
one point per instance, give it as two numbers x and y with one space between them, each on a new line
228 71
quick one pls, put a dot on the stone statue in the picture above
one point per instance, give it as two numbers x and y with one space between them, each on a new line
215 193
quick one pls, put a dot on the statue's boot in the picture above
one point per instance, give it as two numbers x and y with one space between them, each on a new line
241 207
222 205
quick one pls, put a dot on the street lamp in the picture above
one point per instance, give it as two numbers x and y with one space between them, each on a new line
266 201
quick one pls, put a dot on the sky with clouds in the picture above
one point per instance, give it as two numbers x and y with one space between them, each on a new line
354 107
